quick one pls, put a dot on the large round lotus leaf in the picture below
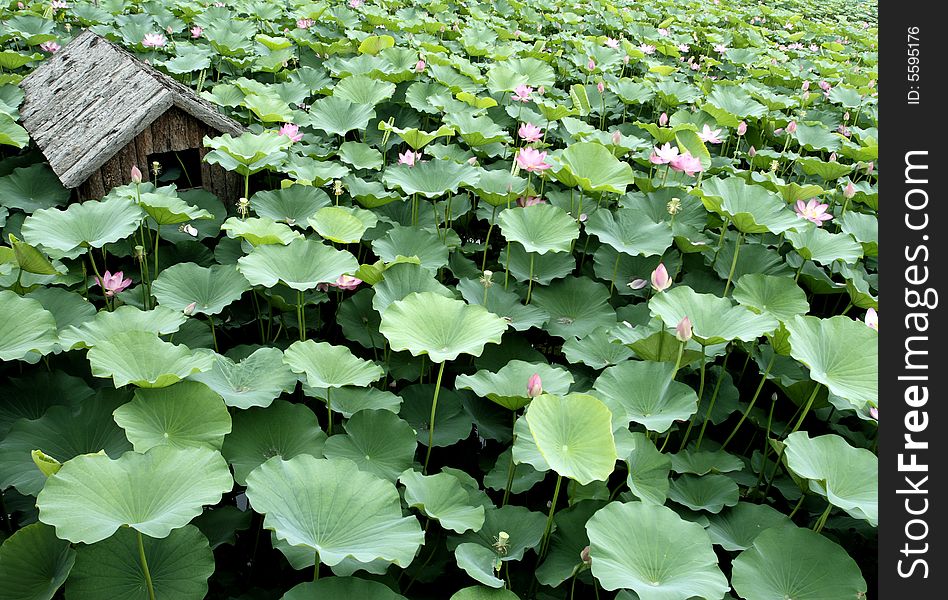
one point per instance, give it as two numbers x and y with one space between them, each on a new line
185 414
169 209
847 476
477 131
819 569
524 528
525 450
630 231
479 563
210 289
281 429
68 308
540 228
714 320
377 441
326 365
577 306
864 228
567 543
179 565
779 297
506 304
260 231
349 400
415 137
596 350
339 116
254 381
30 397
302 265
247 153
751 208
736 528
32 188
648 469
574 435
292 205
653 551
499 187
508 386
160 320
442 497
705 461
401 280
34 563
821 246
407 242
92 223
430 178
342 588
25 327
710 493
593 167
452 422
370 194
524 476
644 392
342 224
546 267
841 353
332 508
64 432
361 89
92 495
483 593
359 155
143 359
442 328
358 321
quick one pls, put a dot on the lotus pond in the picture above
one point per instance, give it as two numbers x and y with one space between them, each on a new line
524 300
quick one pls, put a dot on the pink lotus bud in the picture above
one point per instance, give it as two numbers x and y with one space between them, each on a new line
805 86
806 96
663 120
870 167
874 413
872 319
832 157
683 330
791 127
189 309
616 138
849 191
625 59
541 90
660 279
601 87
591 65
584 556
136 174
534 386
419 66
846 116
741 128
752 152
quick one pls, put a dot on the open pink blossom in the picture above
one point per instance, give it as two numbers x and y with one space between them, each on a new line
663 32
872 319
58 5
113 284
408 158
534 386
614 44
51 47
720 48
647 48
530 132
346 282
687 164
710 136
524 201
825 86
154 40
304 23
531 159
662 155
522 93
291 131
197 31
356 3
813 211
420 66
660 279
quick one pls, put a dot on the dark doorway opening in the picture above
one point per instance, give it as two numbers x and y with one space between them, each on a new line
181 167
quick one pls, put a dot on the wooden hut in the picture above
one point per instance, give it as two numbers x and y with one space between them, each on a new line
95 110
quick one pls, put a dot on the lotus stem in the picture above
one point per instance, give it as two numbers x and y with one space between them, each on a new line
511 469
300 315
714 396
98 278
487 239
806 408
329 411
818 527
549 519
530 284
737 251
750 406
144 561
316 568
797 506
157 238
434 409
691 423
210 319
615 272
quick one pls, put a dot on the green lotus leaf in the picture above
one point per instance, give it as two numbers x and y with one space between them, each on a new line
26 327
63 433
160 320
546 267
442 328
644 392
209 289
506 304
630 231
524 476
254 381
623 539
540 228
302 265
508 386
479 563
341 224
169 209
154 493
143 359
714 319
342 588
524 528
310 171
291 205
32 188
338 116
377 441
705 461
483 593
30 259
403 279
733 104
499 187
709 493
592 167
574 435
567 543
349 400
360 89
360 156
444 498
648 469
248 153
779 297
596 350
817 137
864 228
34 563
281 429
333 509
93 223
792 192
430 178
179 566
417 138
820 569
407 242
30 397
452 422
751 208
846 476
476 131
821 246
841 353
268 108
260 231
577 306
183 415
505 76
370 194
736 528
326 365
68 308
828 171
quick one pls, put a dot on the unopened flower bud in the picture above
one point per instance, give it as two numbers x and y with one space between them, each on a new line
136 174
534 386
683 330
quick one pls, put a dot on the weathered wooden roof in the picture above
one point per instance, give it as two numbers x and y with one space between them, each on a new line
92 98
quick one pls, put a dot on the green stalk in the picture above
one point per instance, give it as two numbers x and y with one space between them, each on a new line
316 568
530 284
549 519
431 423
737 251
210 319
329 411
299 315
822 520
487 239
691 423
510 467
157 237
144 561
714 396
98 278
806 409
750 406
615 272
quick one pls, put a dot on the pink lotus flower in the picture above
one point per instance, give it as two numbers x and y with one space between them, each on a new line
534 386
113 284
136 174
154 40
752 152
684 48
832 157
874 413
58 5
687 163
663 120
541 90
356 3
720 48
346 282
647 48
872 319
664 154
196 31
805 86
870 167
304 23
663 32
522 93
825 86
591 65
683 330
291 131
710 136
813 212
189 309
792 127
806 96
524 201
420 66
616 137
614 44
741 128
51 47
849 191
600 87
531 159
408 158
626 59
530 132
660 279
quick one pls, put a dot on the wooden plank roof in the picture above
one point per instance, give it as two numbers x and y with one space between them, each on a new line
92 98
